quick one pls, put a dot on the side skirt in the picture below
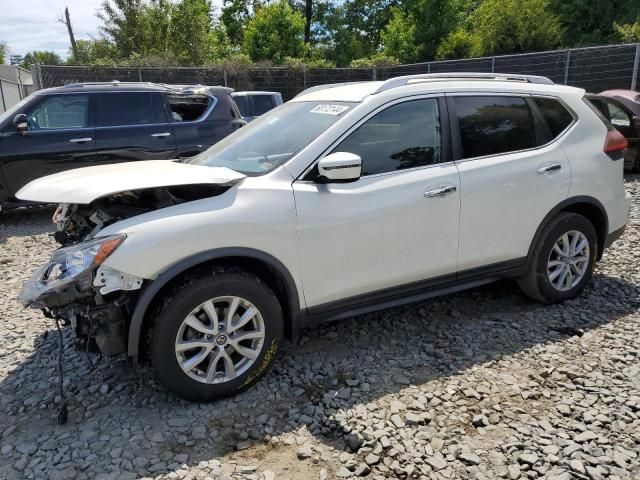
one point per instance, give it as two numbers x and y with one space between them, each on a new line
413 292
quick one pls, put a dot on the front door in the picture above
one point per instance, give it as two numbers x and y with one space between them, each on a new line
397 224
60 137
132 126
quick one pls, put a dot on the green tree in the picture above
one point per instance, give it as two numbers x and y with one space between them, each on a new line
274 32
94 52
399 36
123 24
41 57
458 44
514 26
417 28
4 50
377 60
235 16
137 28
191 39
354 28
591 22
629 32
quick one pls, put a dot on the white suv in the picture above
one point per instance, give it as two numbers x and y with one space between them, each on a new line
347 199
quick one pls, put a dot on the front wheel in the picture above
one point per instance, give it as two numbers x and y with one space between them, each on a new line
215 335
563 260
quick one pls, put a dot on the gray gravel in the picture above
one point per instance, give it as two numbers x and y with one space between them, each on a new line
479 385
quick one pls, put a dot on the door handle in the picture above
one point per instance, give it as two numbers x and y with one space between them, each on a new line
81 140
440 191
554 167
162 134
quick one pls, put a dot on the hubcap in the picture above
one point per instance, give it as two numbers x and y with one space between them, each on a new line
568 260
220 339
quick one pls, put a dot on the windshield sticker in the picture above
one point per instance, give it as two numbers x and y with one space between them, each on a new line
329 109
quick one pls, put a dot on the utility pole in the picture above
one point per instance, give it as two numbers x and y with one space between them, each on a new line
67 21
308 13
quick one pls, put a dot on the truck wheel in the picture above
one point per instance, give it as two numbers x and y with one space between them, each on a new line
215 335
562 261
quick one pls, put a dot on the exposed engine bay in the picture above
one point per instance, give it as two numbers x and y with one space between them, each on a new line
74 287
78 223
77 286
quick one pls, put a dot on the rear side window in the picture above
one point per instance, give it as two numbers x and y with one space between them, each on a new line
188 108
120 109
558 118
600 109
405 135
262 104
493 125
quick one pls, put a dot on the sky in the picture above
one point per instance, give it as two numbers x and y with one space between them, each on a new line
28 25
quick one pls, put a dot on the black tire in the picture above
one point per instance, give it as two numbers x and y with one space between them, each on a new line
536 283
187 296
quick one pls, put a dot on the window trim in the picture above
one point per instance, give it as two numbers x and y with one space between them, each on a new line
456 138
544 121
445 136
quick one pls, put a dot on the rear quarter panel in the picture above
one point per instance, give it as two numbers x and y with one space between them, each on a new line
594 174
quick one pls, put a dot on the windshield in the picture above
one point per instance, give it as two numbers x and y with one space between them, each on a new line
273 138
12 111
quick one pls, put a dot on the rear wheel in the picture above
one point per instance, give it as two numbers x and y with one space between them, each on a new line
215 335
563 260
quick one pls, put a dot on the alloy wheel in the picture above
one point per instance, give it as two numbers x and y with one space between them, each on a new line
568 261
220 339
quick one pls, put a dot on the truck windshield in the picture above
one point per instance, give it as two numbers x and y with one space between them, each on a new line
273 138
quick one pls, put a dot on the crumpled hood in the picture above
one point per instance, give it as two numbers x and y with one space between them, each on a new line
84 185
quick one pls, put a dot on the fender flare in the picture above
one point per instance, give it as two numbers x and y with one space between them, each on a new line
568 202
151 290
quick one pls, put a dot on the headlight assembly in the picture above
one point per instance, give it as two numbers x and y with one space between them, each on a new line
69 265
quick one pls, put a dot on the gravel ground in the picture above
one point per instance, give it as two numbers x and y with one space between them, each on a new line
481 384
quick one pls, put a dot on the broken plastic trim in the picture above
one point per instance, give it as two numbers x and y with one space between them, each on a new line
68 275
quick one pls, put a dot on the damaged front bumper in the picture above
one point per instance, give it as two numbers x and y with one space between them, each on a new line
74 286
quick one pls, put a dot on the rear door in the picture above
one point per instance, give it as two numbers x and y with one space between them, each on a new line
200 121
511 176
132 126
60 137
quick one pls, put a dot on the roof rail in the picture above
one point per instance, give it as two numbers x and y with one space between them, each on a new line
112 83
439 77
325 86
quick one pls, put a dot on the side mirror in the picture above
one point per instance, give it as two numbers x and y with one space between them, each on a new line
340 167
635 121
20 123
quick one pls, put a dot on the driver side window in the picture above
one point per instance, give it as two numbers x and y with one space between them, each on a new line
405 135
59 112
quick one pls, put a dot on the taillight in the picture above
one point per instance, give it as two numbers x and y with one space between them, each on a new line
615 145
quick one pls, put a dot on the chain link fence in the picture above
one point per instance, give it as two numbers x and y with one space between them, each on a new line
593 68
